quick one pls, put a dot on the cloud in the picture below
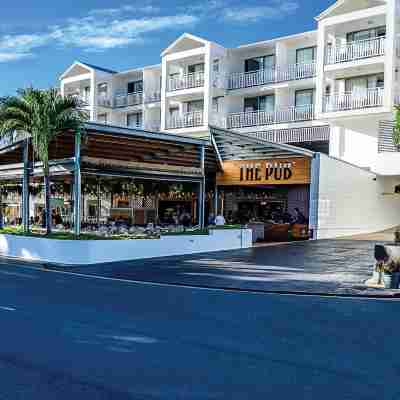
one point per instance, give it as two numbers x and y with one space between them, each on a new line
131 24
276 10
99 34
16 47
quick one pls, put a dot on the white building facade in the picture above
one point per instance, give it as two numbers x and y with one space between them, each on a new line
326 90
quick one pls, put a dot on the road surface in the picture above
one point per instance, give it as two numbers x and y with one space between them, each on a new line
74 337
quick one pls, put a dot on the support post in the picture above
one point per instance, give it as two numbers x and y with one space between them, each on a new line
98 205
77 185
25 187
202 188
216 200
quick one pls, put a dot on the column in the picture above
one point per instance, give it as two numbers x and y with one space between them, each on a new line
202 187
25 187
77 185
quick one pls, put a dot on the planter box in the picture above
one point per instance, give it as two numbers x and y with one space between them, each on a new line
81 252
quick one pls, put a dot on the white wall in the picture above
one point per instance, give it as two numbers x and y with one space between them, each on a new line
78 252
354 201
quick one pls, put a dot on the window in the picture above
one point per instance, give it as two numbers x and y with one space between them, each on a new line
260 103
258 63
134 87
102 89
134 120
304 97
195 68
102 118
305 55
86 93
366 34
216 66
362 83
196 105
216 103
174 112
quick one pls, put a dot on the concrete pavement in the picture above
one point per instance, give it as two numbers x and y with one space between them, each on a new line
77 337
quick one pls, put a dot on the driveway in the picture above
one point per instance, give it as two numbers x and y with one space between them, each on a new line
318 267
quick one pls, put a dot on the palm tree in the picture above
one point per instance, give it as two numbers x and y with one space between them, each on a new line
42 114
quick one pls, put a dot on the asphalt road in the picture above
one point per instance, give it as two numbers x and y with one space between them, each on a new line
319 267
71 337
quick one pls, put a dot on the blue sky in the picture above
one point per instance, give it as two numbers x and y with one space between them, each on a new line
39 39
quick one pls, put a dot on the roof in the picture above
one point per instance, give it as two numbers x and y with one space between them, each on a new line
122 131
110 71
185 36
338 4
230 145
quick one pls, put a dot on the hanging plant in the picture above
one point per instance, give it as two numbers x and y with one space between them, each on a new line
396 131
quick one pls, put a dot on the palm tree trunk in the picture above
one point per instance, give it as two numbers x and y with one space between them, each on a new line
47 203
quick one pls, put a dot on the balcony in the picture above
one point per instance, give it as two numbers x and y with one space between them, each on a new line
152 97
355 51
186 120
188 81
279 116
273 75
130 99
354 100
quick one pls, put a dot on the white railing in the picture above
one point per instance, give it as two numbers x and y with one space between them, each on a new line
130 99
239 80
354 100
187 81
279 116
104 102
152 97
138 125
355 50
186 120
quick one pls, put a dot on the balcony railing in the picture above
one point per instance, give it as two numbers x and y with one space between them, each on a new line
279 116
354 100
355 50
152 97
272 75
104 102
187 81
130 99
186 120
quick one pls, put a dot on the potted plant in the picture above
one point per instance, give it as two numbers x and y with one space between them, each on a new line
391 274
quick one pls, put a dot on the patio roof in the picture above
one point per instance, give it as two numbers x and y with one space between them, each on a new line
230 145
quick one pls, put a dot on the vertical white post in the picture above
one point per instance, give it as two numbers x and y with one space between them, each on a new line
164 105
77 184
25 187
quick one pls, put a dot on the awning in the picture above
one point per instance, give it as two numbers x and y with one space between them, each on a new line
231 145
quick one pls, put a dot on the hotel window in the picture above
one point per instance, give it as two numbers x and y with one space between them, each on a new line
260 103
366 34
196 105
216 103
362 83
305 55
134 120
86 93
102 118
135 87
258 63
216 66
174 112
304 97
196 68
102 89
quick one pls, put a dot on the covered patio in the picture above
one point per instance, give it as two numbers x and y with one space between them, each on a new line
111 181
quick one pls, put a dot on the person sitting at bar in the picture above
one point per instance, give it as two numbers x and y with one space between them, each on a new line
185 219
299 217
219 220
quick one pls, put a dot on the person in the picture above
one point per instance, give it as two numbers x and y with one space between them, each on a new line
211 219
219 220
185 219
299 217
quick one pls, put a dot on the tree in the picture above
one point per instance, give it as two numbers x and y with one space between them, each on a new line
42 114
396 132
